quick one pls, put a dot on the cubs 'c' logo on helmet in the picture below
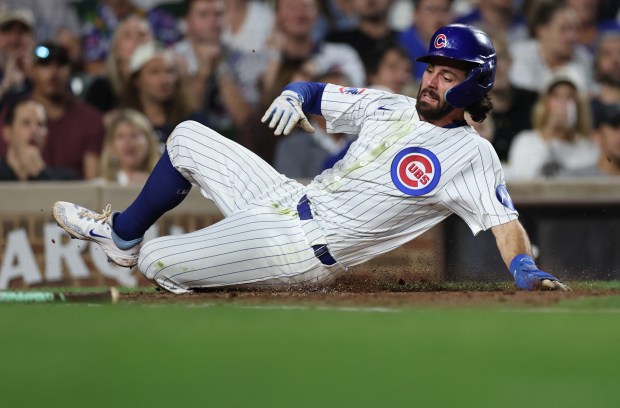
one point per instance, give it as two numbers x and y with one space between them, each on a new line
415 171
440 41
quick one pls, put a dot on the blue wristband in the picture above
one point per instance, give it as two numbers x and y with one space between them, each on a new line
522 263
311 95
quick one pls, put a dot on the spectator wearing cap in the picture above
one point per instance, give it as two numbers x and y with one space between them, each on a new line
102 23
607 74
104 91
16 42
154 89
51 17
75 130
560 138
428 17
25 133
607 137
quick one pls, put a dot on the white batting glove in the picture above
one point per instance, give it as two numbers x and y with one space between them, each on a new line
285 113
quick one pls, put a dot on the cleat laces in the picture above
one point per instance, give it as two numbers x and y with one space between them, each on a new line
107 212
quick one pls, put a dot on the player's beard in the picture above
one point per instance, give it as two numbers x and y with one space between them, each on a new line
429 113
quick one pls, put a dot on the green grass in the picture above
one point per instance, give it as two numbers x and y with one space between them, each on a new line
171 355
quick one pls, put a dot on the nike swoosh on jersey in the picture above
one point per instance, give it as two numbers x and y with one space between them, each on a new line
383 108
92 234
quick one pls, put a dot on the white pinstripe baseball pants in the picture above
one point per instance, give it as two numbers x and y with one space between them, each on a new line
261 241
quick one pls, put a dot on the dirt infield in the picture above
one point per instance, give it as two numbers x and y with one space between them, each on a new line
362 291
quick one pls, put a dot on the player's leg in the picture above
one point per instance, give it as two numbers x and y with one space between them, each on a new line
259 246
226 172
120 234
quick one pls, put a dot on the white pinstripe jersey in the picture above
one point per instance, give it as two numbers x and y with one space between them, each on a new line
401 176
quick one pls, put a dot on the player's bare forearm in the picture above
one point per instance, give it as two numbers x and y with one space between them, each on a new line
514 246
511 239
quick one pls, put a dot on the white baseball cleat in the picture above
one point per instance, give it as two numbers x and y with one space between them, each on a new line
88 225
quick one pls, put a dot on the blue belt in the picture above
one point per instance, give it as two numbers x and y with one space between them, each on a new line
320 251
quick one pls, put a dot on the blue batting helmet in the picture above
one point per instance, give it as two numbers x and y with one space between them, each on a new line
465 43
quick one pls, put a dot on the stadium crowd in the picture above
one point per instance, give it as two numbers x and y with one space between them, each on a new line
90 90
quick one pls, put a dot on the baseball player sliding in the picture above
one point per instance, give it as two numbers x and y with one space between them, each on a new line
415 162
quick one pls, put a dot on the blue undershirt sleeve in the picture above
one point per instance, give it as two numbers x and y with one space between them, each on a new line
312 94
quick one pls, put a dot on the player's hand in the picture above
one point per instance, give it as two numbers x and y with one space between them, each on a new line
285 113
528 277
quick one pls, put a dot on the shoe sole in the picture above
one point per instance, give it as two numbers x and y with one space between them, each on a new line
112 256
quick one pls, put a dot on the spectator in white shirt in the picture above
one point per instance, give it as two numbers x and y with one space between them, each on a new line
560 138
554 49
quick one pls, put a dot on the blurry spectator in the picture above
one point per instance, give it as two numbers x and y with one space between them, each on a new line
298 58
302 154
428 17
155 89
105 90
301 58
373 32
391 71
214 71
511 113
130 150
607 136
249 24
335 15
607 74
588 12
554 49
101 24
610 9
57 20
25 133
75 129
497 16
50 17
16 42
559 140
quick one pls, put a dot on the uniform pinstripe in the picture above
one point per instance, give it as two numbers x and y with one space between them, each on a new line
261 240
357 205
358 210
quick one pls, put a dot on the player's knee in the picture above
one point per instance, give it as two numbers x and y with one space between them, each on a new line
188 133
150 260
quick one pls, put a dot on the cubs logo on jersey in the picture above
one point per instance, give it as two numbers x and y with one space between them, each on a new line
351 91
415 171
